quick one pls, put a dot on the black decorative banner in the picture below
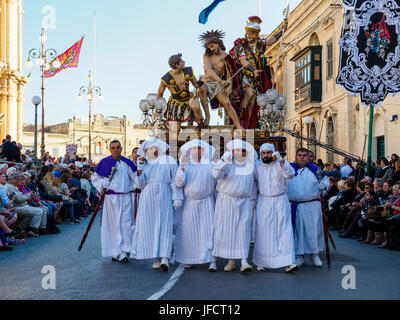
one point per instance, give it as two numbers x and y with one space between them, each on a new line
370 49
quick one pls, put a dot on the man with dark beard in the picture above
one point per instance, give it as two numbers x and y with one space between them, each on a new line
274 241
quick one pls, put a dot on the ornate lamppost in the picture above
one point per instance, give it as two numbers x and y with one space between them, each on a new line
42 56
273 110
36 101
308 120
153 109
91 92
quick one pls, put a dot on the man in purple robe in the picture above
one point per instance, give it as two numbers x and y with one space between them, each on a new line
116 174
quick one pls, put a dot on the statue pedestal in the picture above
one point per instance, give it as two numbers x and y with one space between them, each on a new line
219 136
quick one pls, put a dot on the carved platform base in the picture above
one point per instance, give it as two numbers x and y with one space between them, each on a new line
219 136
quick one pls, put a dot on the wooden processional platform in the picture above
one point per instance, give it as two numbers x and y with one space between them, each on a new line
219 136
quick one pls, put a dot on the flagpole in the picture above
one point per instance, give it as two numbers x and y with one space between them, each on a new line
94 69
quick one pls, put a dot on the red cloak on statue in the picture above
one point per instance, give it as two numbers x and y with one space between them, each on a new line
263 84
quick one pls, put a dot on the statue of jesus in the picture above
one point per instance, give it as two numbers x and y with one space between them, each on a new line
221 77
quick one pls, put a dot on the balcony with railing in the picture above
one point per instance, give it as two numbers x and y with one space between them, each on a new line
308 77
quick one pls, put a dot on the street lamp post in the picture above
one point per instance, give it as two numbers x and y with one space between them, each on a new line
153 108
42 56
273 110
308 120
36 101
91 92
124 126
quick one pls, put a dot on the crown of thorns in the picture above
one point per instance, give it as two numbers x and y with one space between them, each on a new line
211 35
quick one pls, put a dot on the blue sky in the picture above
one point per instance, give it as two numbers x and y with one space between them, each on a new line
134 41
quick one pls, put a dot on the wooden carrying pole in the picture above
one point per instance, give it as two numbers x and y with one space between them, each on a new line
92 219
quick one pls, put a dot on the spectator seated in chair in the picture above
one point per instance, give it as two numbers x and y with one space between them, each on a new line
22 207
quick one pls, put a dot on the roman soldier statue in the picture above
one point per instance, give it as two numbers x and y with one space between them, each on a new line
255 77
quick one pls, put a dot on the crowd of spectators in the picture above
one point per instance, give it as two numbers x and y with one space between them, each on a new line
34 198
365 207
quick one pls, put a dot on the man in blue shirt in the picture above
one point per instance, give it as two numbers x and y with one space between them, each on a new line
334 171
346 170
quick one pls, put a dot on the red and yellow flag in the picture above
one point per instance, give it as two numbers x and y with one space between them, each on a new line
68 59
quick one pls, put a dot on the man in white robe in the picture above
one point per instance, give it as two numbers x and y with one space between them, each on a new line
116 174
235 204
274 242
304 192
197 218
159 198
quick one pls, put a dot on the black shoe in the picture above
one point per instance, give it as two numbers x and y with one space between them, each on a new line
35 232
292 268
31 234
76 221
164 267
124 260
43 231
18 229
344 235
6 248
362 239
13 233
20 236
83 216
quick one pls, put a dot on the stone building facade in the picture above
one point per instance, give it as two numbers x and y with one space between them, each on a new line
12 81
307 74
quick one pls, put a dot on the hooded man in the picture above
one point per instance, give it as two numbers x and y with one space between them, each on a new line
194 231
235 204
159 197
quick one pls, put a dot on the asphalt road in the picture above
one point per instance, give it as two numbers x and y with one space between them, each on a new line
86 275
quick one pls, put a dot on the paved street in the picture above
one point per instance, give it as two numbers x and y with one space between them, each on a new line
86 275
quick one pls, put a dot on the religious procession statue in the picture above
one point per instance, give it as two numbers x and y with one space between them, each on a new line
255 76
230 80
181 101
221 78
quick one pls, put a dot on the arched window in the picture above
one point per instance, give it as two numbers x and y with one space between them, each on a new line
98 147
314 40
